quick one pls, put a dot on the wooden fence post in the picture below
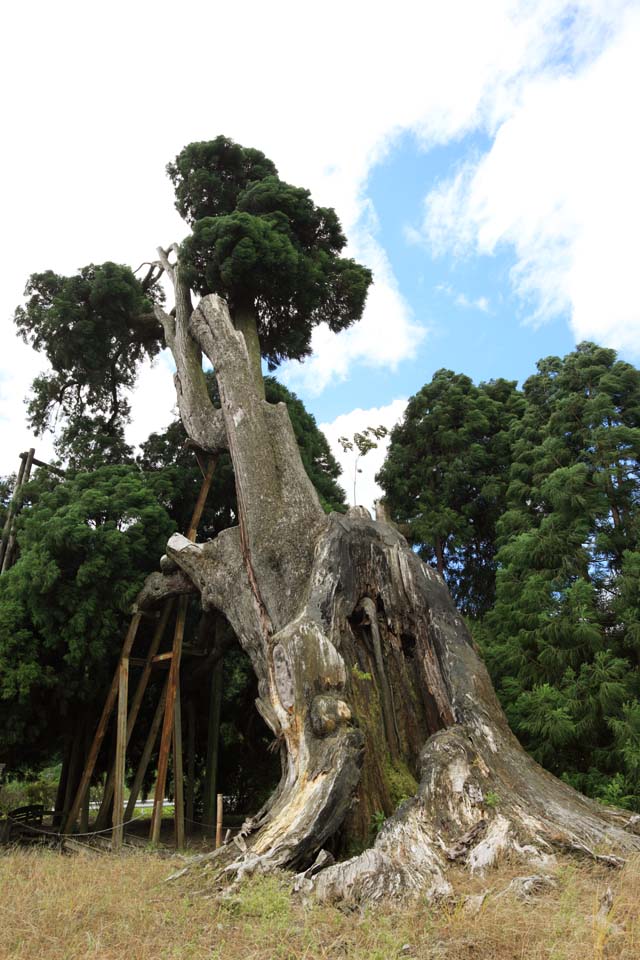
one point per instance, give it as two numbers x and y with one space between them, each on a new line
219 821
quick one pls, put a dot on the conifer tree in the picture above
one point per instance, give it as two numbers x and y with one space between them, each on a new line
445 478
562 640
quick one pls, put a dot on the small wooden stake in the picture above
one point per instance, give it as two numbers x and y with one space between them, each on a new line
121 748
219 821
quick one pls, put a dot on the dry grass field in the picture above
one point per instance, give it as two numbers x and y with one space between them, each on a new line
61 907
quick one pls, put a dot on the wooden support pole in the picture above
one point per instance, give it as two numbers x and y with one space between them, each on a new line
102 726
202 499
191 765
178 776
121 750
218 820
84 809
62 782
103 813
213 738
167 726
146 753
75 770
8 533
174 669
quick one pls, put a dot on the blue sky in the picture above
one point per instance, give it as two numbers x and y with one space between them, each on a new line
476 323
483 159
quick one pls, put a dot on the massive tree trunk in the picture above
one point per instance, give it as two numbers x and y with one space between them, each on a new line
366 673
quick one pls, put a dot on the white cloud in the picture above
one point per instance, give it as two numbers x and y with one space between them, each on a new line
367 490
559 184
479 303
386 335
153 403
99 100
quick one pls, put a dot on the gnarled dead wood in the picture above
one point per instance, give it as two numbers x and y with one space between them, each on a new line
366 676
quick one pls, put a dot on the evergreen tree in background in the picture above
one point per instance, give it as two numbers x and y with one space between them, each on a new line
86 545
95 328
563 639
445 479
528 503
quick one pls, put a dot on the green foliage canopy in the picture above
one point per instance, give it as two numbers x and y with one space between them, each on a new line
94 328
563 638
86 544
445 479
264 245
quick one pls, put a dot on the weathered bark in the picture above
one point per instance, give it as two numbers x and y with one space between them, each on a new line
245 320
367 678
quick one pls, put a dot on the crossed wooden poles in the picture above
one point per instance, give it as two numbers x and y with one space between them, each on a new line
167 713
28 460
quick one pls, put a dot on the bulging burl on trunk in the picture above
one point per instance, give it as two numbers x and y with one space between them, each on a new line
366 674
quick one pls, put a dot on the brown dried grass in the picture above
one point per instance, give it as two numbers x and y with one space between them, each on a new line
55 907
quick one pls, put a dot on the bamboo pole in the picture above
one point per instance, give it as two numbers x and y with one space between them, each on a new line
121 749
102 725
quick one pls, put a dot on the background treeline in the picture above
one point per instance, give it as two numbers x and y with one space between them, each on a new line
528 503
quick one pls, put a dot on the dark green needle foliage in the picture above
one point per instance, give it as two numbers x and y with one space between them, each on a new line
529 504
86 544
94 328
264 246
563 640
445 479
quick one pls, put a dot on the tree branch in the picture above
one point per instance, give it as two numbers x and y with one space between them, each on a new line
203 423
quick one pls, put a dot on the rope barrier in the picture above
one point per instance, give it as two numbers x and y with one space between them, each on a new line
71 836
